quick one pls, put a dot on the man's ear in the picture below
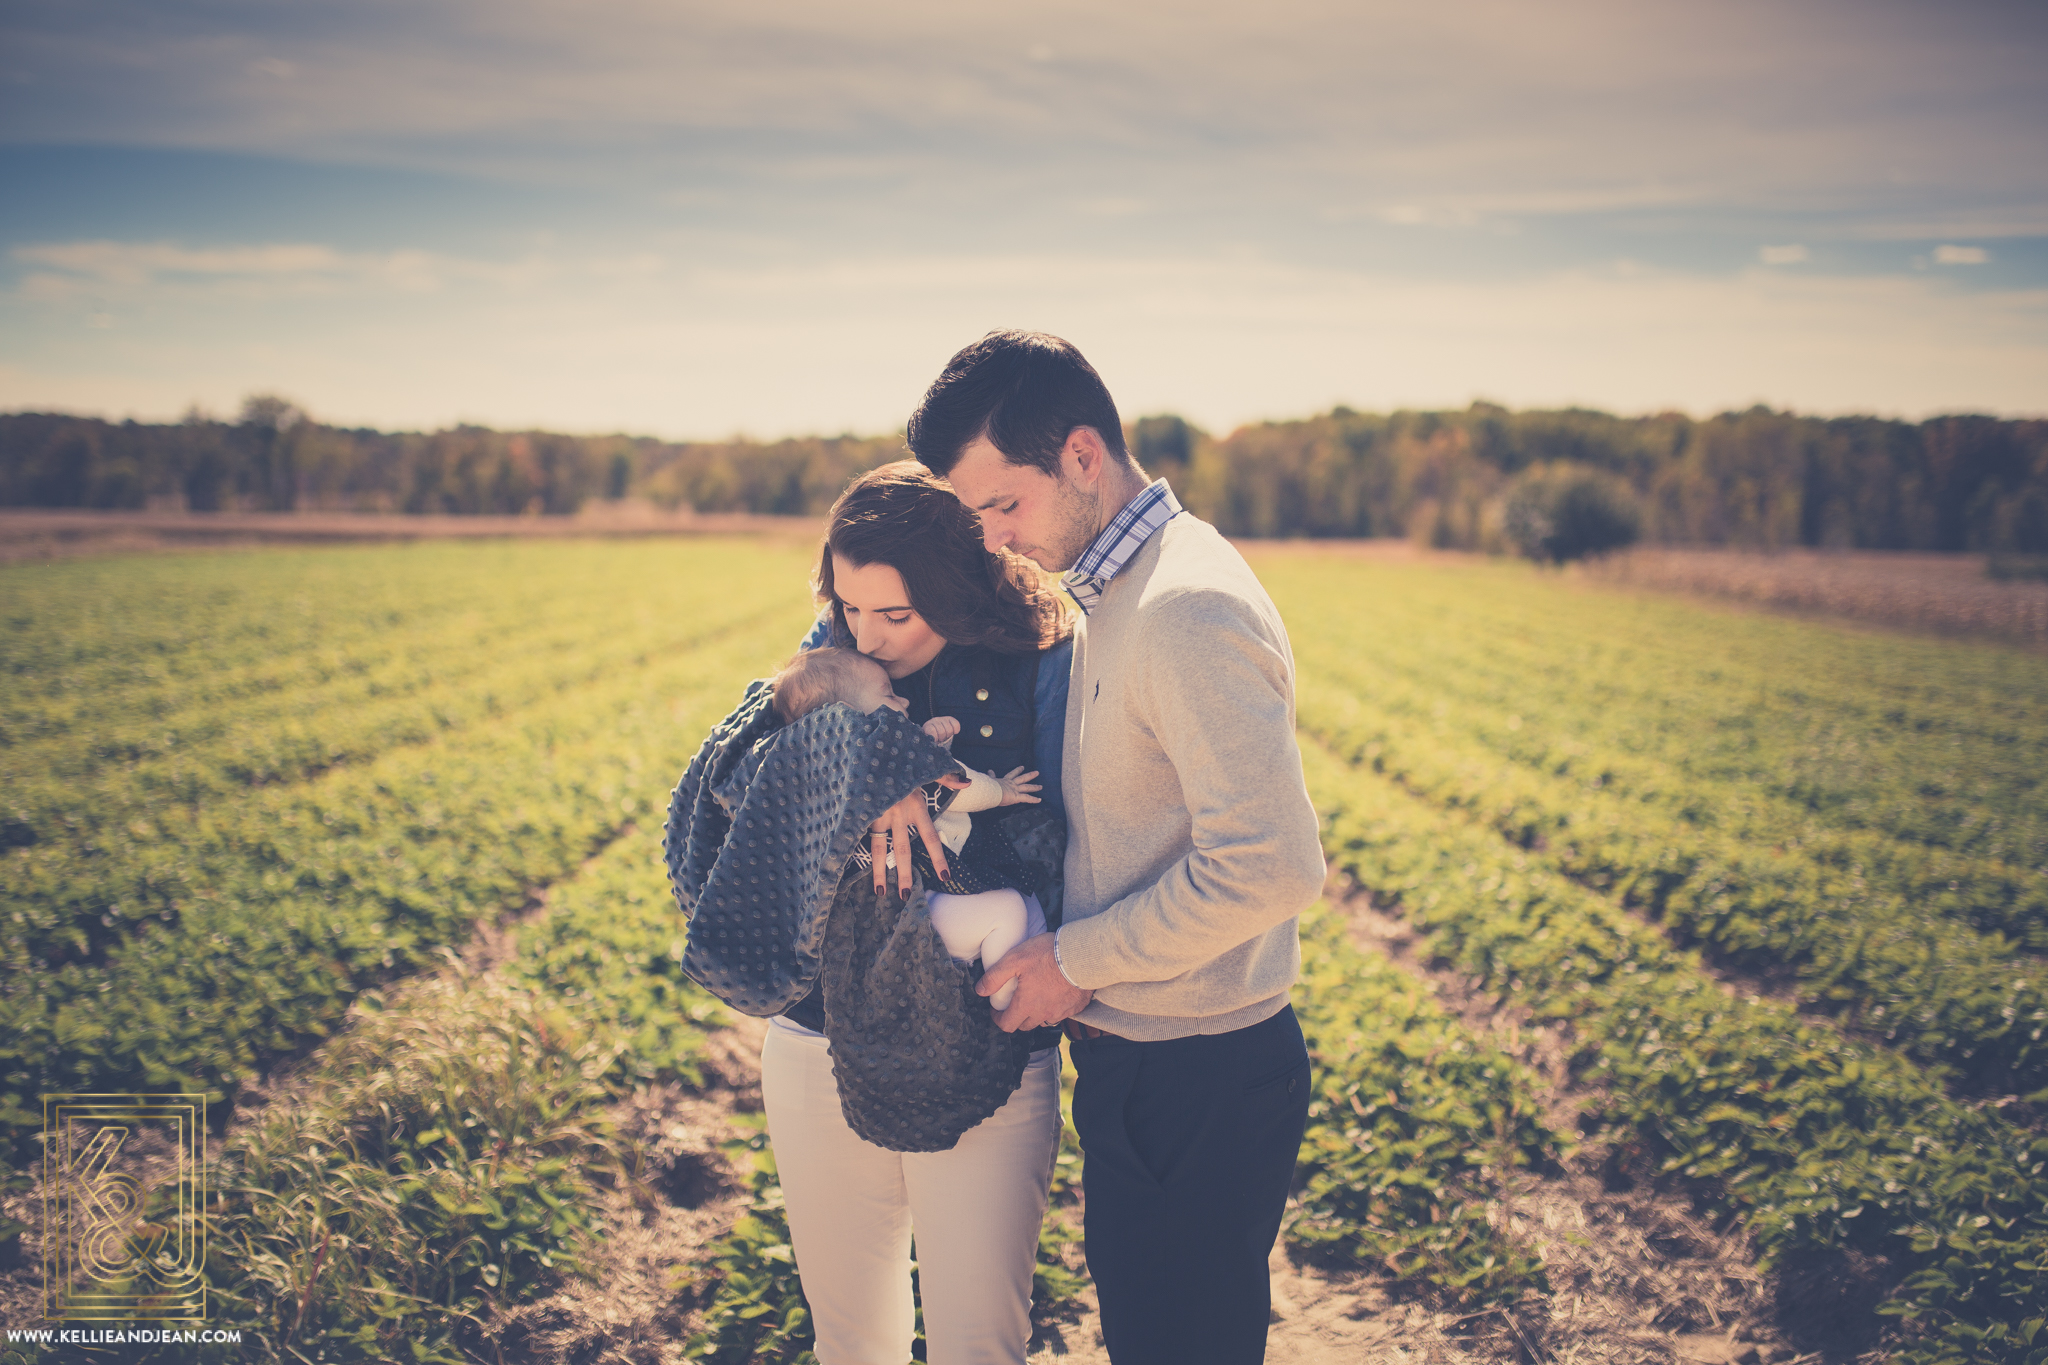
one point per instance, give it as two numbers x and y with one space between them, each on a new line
1084 456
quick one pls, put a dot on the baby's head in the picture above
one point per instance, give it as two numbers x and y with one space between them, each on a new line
818 676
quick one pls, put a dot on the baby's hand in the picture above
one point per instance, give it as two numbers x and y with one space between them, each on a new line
1018 786
942 728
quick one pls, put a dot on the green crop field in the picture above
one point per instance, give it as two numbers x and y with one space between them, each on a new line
1782 886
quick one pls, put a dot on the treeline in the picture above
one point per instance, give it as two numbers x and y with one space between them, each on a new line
1459 479
273 458
1759 478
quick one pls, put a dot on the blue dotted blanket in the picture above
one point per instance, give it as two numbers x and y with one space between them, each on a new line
760 840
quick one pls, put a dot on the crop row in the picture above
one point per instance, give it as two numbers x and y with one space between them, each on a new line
610 949
87 633
69 818
1653 652
371 623
85 733
288 903
1414 1126
1838 771
1982 891
1936 743
1938 990
68 899
1821 1143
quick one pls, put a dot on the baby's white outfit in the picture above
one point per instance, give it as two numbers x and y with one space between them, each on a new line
986 924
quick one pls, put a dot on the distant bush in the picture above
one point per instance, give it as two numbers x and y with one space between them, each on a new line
2016 522
1165 446
2021 567
1558 512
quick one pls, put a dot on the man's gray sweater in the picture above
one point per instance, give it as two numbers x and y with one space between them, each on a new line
1192 845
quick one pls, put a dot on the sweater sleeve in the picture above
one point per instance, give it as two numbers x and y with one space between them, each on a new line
982 792
1215 692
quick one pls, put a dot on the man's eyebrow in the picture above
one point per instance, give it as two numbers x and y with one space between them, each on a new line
1000 497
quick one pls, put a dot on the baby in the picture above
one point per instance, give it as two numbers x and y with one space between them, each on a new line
980 913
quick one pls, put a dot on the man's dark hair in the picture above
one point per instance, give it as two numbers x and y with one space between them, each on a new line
1025 391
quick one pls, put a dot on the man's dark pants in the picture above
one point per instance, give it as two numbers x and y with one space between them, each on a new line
1189 1149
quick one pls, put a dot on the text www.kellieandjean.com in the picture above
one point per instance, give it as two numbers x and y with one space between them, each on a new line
110 1336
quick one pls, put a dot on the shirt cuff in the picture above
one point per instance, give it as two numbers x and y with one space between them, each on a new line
1059 964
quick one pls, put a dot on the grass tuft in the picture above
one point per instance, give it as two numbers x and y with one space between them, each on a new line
440 1171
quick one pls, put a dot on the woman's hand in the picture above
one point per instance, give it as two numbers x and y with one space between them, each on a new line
1018 786
892 829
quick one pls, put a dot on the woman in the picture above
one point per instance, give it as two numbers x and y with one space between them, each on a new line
905 579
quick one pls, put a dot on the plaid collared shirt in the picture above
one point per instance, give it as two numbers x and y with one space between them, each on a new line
1125 535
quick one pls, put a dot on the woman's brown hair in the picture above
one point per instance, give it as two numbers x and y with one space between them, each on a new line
902 515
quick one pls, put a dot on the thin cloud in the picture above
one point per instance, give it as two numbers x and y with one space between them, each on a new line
136 263
1425 215
1793 254
1960 255
108 270
2026 220
1485 107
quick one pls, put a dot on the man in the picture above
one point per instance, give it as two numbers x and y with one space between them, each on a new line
1192 851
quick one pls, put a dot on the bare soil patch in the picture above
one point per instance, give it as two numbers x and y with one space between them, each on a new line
644 1294
1942 594
32 534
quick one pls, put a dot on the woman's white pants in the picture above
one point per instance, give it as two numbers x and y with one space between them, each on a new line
853 1207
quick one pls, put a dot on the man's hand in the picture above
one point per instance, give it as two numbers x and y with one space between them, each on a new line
1044 995
892 830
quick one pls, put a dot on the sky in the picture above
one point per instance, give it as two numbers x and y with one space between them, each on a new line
705 218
